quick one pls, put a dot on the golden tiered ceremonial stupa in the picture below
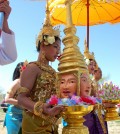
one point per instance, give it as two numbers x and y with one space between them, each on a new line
72 61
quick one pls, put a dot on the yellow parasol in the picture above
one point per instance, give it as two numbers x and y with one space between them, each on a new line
86 12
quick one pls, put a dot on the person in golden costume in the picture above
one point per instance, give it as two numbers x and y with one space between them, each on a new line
92 66
38 83
89 59
97 76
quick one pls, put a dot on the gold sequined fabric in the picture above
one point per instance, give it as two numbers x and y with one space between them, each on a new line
44 87
99 109
45 84
32 124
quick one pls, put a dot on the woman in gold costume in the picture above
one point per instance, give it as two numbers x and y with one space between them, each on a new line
38 83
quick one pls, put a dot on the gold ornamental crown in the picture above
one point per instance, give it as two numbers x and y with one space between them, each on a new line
71 60
87 54
47 28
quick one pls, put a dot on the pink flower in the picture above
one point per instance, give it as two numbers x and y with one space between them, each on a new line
75 98
53 100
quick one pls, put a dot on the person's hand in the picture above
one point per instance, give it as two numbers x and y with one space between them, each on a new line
4 7
54 110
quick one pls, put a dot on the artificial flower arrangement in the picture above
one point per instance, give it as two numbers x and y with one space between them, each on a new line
49 40
87 61
109 91
76 108
74 100
110 95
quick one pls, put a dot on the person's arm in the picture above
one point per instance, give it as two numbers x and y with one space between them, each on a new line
8 52
27 81
28 78
9 98
6 9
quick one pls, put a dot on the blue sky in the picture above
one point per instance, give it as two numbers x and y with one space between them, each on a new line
26 21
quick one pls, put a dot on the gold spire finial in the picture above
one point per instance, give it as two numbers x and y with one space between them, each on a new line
47 28
47 19
87 54
71 61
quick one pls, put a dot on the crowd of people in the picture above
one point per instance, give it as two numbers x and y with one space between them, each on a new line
34 83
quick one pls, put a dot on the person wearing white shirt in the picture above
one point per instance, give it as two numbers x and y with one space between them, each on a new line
8 52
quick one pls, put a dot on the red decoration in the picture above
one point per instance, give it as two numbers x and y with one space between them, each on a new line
53 100
87 100
58 58
23 68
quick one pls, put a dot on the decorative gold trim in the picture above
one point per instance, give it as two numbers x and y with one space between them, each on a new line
22 90
38 108
99 108
38 111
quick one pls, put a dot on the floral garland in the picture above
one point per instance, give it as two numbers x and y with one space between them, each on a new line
109 91
74 100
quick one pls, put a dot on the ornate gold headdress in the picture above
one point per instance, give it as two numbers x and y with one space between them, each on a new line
87 54
48 30
71 61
